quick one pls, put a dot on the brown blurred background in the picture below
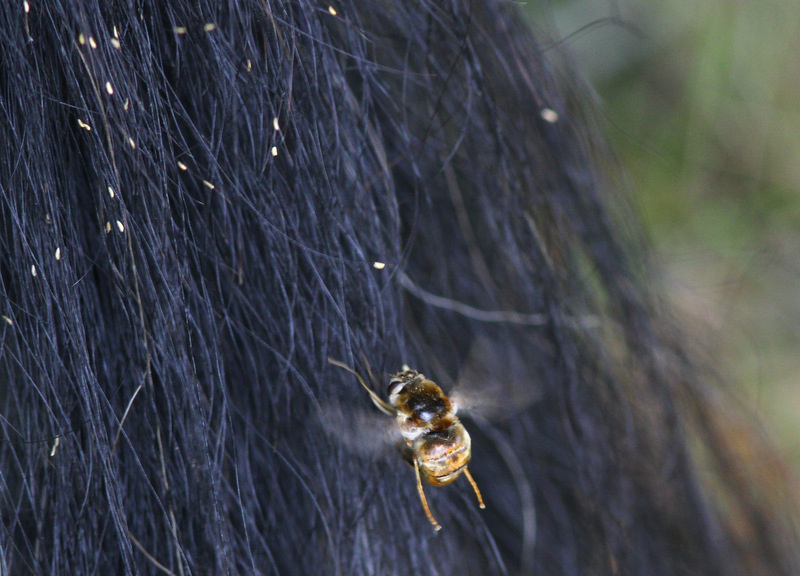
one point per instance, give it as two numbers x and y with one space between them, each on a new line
701 103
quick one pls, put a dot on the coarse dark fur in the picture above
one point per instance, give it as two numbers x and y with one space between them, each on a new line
192 197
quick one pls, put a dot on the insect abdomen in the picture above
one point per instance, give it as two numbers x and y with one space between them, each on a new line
443 455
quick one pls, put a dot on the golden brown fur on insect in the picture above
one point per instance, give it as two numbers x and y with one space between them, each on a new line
436 443
429 425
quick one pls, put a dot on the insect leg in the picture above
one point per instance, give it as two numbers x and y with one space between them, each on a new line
475 487
433 521
384 407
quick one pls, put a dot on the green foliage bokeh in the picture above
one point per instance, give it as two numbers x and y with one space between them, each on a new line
701 104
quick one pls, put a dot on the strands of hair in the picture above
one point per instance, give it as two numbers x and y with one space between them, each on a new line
200 202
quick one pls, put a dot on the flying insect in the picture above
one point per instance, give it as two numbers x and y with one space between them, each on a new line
434 441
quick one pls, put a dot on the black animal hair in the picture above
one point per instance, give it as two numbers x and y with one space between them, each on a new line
192 199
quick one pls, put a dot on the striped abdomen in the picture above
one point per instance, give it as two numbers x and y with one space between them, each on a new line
443 455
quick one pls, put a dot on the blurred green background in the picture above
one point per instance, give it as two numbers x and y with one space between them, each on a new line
701 103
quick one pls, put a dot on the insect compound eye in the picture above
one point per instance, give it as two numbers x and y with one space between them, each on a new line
395 386
401 379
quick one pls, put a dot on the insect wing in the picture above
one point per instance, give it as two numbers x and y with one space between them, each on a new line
495 382
358 430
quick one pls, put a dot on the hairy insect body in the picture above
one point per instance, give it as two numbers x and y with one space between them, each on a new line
433 433
434 441
443 455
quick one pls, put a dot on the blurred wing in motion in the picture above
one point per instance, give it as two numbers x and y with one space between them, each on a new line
495 382
358 430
